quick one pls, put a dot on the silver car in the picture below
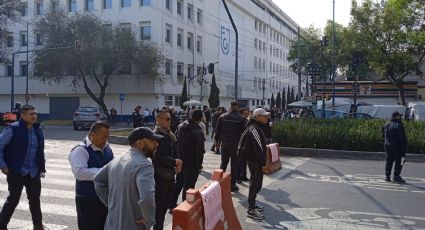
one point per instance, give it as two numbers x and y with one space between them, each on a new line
85 116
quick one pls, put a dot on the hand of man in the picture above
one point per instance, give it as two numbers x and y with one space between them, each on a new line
140 221
5 171
179 164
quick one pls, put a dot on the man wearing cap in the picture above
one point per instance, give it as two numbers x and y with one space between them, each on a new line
229 129
126 184
252 148
395 147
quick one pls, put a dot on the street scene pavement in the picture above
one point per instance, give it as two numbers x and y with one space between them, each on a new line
306 194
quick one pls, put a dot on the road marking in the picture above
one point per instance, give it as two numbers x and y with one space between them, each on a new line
19 224
55 209
55 193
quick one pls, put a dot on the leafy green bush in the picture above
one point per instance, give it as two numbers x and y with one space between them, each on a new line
344 134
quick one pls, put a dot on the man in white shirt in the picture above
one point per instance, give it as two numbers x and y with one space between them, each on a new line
86 159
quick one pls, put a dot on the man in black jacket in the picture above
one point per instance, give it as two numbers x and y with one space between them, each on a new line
395 147
191 149
166 163
252 148
228 131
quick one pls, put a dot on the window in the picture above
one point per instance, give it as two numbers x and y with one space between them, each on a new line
255 82
264 47
23 36
9 70
168 67
125 27
145 2
125 3
168 100
271 49
177 100
38 39
89 6
10 40
199 16
107 4
23 9
168 29
199 44
180 8
190 71
190 12
145 31
264 65
259 44
255 63
72 6
180 69
55 6
180 38
256 25
168 4
23 67
39 8
189 41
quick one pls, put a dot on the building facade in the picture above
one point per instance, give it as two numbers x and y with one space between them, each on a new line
190 33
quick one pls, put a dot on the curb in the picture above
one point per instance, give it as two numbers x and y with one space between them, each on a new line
118 140
343 154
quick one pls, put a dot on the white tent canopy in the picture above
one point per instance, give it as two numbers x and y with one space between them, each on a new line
381 111
301 104
192 102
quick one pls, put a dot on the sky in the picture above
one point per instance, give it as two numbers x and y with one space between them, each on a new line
316 12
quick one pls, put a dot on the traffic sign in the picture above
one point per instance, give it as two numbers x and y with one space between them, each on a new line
122 96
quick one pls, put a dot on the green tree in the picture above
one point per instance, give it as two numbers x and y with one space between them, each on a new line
288 96
292 95
392 36
278 101
272 102
8 14
105 51
184 96
214 99
283 99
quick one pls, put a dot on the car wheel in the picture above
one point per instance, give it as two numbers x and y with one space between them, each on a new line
75 125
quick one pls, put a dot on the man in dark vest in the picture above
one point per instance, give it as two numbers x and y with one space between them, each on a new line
86 159
22 161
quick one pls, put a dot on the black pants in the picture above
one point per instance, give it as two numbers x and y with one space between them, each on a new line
163 189
184 180
16 183
229 152
241 170
256 182
392 157
91 213
207 126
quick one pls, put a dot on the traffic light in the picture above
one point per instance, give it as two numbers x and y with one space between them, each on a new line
77 46
325 41
211 68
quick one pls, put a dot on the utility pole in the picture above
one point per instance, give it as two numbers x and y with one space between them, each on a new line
27 98
333 57
299 64
237 48
202 81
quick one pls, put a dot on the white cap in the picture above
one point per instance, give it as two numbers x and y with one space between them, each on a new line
260 112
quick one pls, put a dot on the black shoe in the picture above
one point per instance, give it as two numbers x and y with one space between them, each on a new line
239 181
246 179
255 214
213 149
38 227
399 180
388 179
234 188
260 208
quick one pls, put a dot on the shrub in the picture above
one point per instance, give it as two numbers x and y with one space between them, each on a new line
344 134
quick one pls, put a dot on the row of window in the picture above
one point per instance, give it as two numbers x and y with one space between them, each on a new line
179 38
260 83
274 35
260 66
180 69
172 100
23 69
274 51
23 39
180 10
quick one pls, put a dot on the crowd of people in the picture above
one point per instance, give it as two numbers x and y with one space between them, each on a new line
134 190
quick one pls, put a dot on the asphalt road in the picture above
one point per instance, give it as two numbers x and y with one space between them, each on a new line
306 194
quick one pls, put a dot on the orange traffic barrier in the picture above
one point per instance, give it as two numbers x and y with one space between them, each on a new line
273 162
8 116
190 215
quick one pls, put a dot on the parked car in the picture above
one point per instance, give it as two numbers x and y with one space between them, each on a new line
85 116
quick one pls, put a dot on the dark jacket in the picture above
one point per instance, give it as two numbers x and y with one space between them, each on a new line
191 146
137 119
395 137
164 160
16 150
214 119
229 128
175 121
252 145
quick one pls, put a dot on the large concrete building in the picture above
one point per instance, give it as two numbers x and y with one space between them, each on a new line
190 33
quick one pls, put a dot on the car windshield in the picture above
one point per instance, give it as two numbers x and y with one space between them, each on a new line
87 109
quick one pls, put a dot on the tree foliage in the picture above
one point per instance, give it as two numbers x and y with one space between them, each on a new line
214 98
105 50
283 99
278 101
272 102
8 10
184 96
